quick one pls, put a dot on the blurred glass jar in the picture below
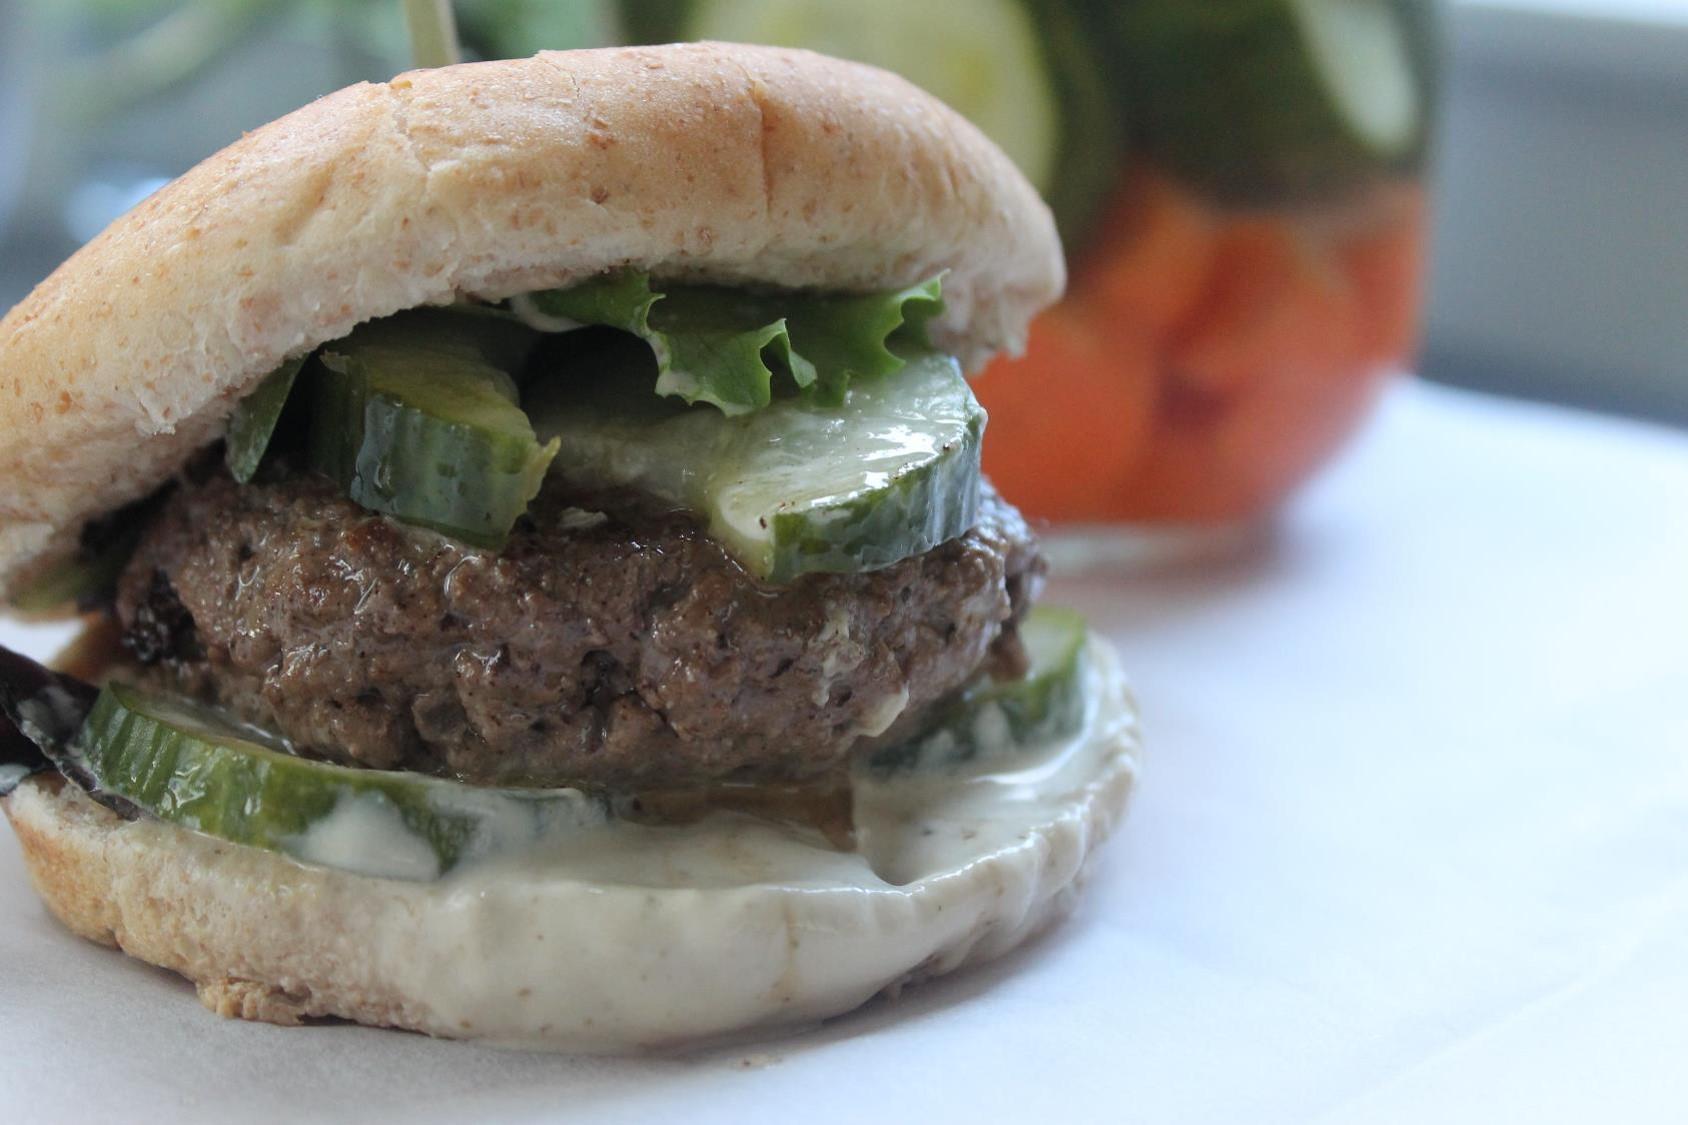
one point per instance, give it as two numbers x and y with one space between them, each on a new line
1239 187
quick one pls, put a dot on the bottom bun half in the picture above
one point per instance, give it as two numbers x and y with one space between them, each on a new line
650 938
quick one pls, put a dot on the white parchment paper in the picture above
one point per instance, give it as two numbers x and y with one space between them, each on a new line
1411 845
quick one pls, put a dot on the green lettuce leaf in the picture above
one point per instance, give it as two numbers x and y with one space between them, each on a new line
725 346
847 337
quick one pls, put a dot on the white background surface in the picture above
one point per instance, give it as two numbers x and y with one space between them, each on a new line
1411 845
1560 244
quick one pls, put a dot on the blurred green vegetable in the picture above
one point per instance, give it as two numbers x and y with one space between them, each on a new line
1264 101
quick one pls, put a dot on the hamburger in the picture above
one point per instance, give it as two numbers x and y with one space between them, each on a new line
539 585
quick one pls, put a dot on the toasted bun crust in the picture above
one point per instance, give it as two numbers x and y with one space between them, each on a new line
554 960
709 161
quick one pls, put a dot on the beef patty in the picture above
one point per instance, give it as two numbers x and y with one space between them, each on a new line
618 650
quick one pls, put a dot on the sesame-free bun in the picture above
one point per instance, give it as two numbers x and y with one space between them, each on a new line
656 941
716 162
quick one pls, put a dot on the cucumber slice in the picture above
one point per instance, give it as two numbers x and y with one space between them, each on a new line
795 488
89 579
413 418
993 722
85 580
254 421
187 764
1092 129
1263 101
986 62
515 29
1359 49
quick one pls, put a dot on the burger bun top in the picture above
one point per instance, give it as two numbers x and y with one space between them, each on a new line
711 162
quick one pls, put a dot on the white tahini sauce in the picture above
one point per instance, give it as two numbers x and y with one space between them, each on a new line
365 834
657 936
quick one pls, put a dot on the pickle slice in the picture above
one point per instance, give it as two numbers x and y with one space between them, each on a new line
795 488
187 764
414 419
85 580
1266 101
993 722
254 421
88 580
